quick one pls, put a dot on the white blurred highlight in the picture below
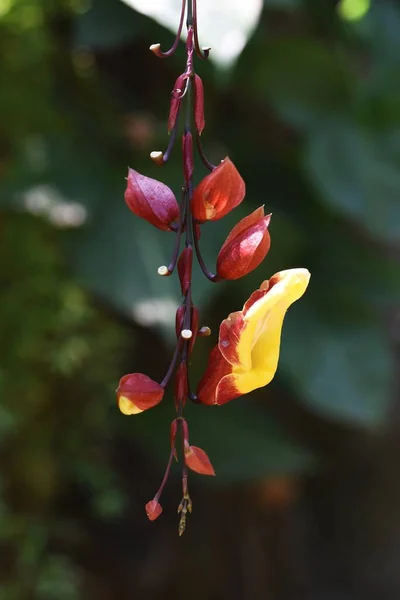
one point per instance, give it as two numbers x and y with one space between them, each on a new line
223 25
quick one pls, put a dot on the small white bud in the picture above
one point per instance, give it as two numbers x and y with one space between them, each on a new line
186 334
157 157
163 270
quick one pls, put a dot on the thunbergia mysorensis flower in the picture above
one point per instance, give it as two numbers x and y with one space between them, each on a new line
247 353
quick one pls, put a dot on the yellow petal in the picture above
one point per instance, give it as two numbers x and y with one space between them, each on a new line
127 407
260 339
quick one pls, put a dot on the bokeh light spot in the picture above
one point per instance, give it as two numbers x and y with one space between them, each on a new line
353 10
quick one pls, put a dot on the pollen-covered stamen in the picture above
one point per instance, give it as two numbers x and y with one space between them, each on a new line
155 48
185 505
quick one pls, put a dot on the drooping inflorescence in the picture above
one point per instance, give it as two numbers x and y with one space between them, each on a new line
247 353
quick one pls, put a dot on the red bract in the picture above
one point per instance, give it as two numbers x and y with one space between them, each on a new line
197 460
245 247
218 193
137 392
153 510
185 268
187 154
176 99
151 200
199 120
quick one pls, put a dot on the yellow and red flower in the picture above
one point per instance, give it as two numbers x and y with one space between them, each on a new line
136 392
247 354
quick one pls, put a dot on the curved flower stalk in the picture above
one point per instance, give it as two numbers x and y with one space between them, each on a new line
246 356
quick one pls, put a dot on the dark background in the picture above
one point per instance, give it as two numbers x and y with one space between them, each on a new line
306 502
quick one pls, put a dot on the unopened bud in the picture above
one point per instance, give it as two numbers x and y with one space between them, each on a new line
155 48
153 510
151 200
157 157
186 334
204 331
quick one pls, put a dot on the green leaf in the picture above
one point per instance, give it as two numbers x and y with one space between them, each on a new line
339 369
106 25
358 173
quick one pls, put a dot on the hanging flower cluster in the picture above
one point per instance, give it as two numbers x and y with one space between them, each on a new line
247 353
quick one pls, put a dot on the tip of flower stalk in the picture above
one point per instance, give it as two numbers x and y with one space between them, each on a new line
204 331
186 334
153 510
157 157
163 271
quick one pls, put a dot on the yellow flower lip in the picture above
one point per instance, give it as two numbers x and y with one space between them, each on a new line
127 407
247 354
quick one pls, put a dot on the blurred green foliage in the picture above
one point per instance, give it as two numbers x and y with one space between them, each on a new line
310 114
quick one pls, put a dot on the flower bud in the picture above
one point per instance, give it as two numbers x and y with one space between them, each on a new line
199 120
181 383
185 268
151 200
153 510
137 392
176 98
218 193
179 318
187 153
245 247
197 460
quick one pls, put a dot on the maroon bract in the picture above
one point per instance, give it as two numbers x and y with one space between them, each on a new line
151 200
245 247
199 119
